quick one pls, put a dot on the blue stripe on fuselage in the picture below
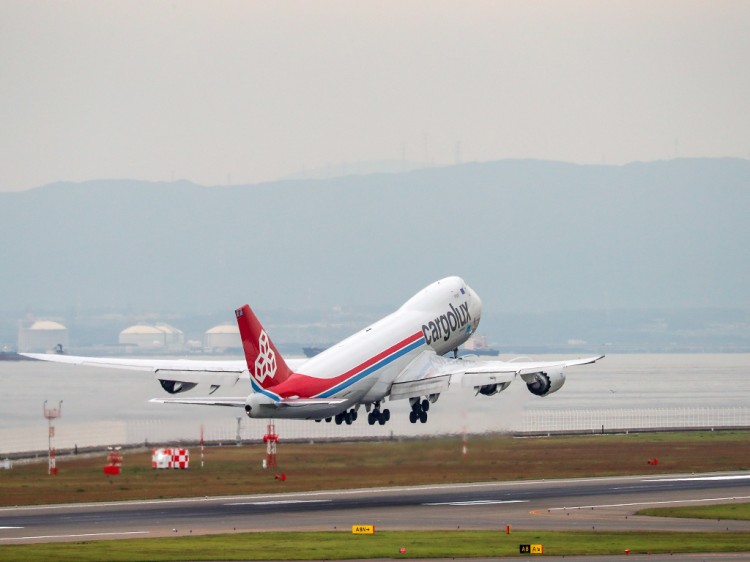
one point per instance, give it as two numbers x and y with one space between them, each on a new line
350 381
257 388
379 365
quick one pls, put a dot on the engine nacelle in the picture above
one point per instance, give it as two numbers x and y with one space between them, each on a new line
542 384
490 389
175 387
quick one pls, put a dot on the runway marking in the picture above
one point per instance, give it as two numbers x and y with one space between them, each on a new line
477 502
74 536
279 502
702 478
11 528
356 491
648 503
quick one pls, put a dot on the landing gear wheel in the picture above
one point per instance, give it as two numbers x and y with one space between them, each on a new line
339 418
381 419
423 416
413 416
425 405
386 414
354 415
328 420
372 418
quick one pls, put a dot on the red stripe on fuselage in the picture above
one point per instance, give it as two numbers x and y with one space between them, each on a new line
306 386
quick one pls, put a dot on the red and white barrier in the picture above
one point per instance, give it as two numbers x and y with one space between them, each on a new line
170 458
180 458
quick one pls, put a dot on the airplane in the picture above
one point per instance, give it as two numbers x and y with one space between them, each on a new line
404 356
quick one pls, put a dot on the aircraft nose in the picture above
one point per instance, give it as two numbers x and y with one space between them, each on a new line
475 307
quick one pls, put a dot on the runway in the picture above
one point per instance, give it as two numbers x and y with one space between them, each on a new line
571 504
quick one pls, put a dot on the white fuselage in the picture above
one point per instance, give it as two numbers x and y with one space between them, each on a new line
361 368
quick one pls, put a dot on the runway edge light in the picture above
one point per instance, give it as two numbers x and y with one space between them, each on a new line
363 529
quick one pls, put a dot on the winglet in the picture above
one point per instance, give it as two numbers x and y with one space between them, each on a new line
264 361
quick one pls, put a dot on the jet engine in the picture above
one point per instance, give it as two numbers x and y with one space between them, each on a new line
544 383
174 387
490 389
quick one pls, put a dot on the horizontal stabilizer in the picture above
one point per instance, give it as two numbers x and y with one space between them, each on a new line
234 402
302 402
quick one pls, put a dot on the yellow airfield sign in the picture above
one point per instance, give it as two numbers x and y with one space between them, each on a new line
363 529
531 549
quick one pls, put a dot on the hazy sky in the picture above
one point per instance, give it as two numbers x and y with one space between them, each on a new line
251 91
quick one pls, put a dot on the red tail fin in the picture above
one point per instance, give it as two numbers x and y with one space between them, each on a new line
266 365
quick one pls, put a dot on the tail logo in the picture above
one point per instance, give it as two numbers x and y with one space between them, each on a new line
265 363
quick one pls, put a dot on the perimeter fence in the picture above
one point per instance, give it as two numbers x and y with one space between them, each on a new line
559 421
231 430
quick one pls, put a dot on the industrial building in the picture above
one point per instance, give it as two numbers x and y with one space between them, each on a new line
222 338
42 336
155 337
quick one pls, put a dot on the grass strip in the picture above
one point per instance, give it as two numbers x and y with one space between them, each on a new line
326 465
384 544
734 511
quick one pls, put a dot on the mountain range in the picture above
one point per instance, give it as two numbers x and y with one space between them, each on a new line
532 237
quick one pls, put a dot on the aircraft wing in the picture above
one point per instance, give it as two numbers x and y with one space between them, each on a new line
175 375
432 374
152 365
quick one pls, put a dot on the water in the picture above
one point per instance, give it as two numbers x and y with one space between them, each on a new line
111 407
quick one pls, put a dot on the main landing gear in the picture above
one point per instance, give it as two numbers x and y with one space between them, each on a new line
345 417
376 415
418 410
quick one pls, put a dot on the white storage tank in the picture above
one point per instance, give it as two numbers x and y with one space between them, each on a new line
43 336
222 338
153 337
